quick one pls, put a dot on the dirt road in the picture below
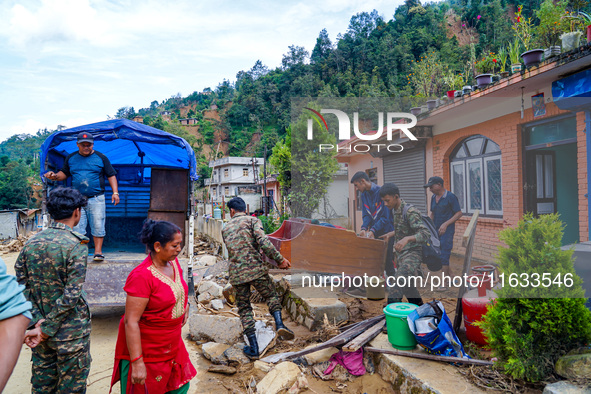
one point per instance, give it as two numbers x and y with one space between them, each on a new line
102 349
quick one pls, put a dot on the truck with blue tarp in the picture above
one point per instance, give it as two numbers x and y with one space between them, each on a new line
155 174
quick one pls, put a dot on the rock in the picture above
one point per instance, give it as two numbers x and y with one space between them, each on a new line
207 260
235 355
229 293
565 388
301 384
319 356
263 366
214 352
212 288
265 335
575 365
204 298
222 369
217 304
282 377
221 329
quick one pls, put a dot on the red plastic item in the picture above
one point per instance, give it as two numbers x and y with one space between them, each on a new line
474 307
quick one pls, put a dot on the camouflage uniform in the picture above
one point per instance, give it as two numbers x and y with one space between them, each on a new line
52 266
244 237
408 260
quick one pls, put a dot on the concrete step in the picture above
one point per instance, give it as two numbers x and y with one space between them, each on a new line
413 375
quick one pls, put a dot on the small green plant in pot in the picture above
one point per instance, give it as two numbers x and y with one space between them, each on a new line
514 52
574 26
533 324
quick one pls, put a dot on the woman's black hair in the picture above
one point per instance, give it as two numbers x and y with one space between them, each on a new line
157 231
63 201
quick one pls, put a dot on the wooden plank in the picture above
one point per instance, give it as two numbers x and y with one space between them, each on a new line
338 340
468 241
425 356
364 338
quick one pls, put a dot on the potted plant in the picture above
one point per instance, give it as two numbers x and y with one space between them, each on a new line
586 19
432 104
514 50
523 31
484 69
454 82
570 38
502 62
551 26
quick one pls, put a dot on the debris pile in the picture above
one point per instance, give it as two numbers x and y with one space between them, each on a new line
13 245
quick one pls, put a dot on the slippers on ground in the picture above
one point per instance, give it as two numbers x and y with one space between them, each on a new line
98 257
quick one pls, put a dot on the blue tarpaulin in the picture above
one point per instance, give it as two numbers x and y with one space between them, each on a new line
123 142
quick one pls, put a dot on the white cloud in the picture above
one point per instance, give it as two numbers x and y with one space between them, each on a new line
72 62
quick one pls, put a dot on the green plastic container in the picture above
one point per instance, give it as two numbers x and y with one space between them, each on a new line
399 334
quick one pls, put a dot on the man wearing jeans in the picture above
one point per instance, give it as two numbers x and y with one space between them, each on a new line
88 169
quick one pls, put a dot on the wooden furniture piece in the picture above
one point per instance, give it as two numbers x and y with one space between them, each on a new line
318 248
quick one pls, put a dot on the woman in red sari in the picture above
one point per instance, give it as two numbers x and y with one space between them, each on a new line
150 351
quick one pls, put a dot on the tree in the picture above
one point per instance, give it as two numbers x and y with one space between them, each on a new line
15 191
296 56
311 170
322 48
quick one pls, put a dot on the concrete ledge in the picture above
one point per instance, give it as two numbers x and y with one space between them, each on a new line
307 306
413 375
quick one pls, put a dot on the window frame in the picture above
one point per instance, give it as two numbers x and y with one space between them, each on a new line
483 159
486 159
461 163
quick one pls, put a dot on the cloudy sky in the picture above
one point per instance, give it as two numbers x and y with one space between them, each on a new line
72 62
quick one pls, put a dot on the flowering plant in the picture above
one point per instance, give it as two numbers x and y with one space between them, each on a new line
551 23
523 28
486 65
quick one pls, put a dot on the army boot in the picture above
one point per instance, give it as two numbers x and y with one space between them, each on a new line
282 331
252 351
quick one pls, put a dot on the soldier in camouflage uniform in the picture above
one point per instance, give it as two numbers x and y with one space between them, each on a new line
244 237
52 266
409 234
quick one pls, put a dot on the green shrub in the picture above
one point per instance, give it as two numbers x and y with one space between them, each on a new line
530 327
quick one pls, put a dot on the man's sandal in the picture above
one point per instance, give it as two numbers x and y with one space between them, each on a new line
98 257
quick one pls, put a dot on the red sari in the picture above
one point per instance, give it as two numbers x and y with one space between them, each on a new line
167 361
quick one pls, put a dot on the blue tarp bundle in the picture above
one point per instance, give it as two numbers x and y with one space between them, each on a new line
122 140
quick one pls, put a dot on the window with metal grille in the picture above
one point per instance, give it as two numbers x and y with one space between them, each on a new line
476 179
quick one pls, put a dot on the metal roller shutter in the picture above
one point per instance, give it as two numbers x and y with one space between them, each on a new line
407 170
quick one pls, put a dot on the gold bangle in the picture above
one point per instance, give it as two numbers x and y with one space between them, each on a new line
115 194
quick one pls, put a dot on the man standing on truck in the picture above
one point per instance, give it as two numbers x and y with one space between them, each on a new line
52 267
88 169
244 237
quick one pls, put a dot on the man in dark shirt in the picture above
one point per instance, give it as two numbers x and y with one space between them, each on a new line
445 210
88 169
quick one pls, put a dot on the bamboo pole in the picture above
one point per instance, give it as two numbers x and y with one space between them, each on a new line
425 356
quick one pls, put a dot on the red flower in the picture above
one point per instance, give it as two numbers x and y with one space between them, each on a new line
518 19
495 60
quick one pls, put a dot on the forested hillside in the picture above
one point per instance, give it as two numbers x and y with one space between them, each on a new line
419 52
